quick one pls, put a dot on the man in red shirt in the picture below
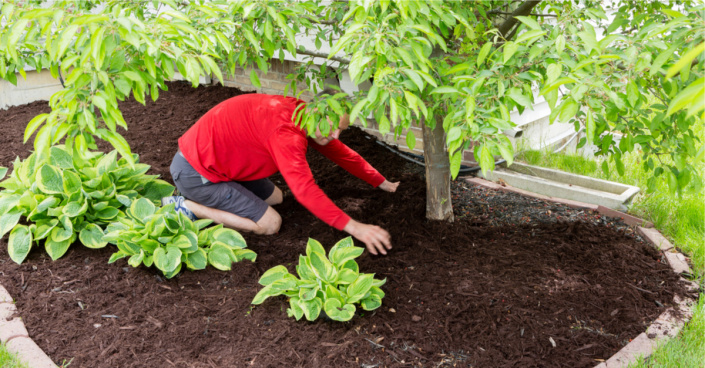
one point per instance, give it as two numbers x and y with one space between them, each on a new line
225 159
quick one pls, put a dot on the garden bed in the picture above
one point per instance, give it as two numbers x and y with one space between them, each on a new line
514 281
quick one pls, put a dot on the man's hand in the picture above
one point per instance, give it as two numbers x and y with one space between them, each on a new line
388 186
375 238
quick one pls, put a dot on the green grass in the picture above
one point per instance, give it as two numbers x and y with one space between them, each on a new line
679 217
9 360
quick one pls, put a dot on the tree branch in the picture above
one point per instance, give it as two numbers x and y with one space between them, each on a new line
534 14
523 9
323 55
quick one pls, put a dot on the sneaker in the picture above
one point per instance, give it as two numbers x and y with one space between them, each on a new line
179 206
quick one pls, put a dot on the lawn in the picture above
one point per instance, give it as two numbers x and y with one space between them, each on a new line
679 216
8 359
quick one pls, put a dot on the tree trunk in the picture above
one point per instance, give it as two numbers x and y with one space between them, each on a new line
438 202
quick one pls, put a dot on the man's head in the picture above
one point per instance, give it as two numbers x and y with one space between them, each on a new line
334 134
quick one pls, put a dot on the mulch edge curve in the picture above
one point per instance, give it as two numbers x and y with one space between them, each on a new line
14 335
671 321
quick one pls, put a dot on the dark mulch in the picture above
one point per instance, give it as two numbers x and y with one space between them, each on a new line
508 284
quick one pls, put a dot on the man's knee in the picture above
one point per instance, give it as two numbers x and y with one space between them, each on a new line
270 223
276 198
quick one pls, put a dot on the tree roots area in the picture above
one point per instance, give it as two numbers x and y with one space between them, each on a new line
512 282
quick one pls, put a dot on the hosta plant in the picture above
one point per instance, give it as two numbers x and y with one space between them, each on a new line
64 197
333 284
168 240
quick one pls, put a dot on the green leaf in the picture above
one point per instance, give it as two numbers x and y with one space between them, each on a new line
321 267
531 22
414 77
65 38
314 246
72 182
509 49
560 43
142 208
32 126
311 308
220 257
295 310
273 274
9 220
568 109
75 209
685 60
410 139
686 96
92 237
167 259
197 260
455 163
49 180
255 79
372 302
20 243
342 255
516 95
486 159
529 35
444 89
359 288
230 237
338 312
107 213
265 293
484 51
242 254
136 259
589 41
56 249
347 276
553 71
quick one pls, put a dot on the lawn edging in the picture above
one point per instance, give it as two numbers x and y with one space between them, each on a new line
672 320
14 335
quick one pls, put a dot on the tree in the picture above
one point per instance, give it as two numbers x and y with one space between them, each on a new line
456 68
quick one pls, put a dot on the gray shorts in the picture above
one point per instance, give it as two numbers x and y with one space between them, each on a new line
241 198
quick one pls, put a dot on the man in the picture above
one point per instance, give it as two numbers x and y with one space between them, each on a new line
225 159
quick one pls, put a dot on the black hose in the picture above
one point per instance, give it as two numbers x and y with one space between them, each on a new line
419 159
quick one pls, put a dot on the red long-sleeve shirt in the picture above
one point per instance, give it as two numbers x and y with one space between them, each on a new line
250 137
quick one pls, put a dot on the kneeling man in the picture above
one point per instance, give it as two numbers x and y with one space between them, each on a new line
225 159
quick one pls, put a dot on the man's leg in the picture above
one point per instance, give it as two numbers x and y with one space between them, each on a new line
265 189
227 203
269 223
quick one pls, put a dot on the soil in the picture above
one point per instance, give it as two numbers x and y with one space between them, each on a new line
512 282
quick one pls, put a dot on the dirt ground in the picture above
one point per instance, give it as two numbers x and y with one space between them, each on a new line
513 282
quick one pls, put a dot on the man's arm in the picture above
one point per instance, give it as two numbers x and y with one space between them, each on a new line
290 158
351 161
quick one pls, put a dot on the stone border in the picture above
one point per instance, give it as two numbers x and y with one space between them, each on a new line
15 336
672 320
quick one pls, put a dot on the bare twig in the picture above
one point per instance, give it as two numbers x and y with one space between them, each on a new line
323 55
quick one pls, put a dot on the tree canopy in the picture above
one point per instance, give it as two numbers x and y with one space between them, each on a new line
634 68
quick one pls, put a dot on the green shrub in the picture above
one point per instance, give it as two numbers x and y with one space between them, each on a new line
63 198
167 239
333 284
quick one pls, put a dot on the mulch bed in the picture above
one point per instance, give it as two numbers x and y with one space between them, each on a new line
514 281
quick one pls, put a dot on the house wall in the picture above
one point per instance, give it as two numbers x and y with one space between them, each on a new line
38 86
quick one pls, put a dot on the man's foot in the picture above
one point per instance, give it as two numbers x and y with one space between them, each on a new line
179 206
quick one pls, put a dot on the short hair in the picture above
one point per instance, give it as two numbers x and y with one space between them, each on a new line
326 91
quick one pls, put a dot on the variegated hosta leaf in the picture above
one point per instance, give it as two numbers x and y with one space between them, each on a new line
20 243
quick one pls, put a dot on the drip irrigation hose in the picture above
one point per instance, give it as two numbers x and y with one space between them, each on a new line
419 160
